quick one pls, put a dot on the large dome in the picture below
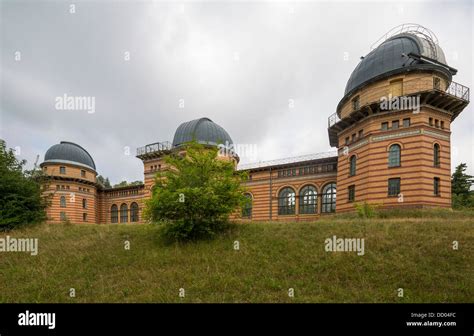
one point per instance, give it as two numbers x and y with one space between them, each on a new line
412 48
202 130
69 152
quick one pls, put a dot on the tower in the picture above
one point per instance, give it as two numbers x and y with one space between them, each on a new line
392 126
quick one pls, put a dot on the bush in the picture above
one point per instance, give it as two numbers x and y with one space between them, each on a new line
366 210
194 196
21 200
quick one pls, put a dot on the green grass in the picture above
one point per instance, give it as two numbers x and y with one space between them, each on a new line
413 253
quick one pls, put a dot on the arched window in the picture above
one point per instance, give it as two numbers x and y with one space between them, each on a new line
247 208
286 201
352 165
123 213
308 200
329 198
62 201
114 214
394 156
436 155
134 212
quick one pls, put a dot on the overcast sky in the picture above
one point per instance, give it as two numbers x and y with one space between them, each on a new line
240 64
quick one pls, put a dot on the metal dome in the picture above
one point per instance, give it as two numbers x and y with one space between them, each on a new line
69 152
202 130
405 48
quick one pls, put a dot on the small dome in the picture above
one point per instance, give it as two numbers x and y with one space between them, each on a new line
397 54
202 130
69 152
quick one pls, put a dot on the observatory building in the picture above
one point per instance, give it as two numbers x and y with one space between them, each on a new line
391 130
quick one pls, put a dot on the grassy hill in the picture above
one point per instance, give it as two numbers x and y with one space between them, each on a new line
409 250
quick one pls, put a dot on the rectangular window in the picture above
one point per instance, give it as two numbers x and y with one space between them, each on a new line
384 126
62 215
395 124
431 121
361 133
83 173
442 124
300 171
351 193
293 172
84 217
436 183
62 170
84 203
436 123
394 186
406 122
306 170
57 187
356 103
347 140
437 83
396 88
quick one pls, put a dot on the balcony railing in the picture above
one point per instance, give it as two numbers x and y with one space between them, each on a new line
457 90
154 148
333 119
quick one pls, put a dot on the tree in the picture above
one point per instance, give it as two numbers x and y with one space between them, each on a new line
105 183
195 195
460 187
21 192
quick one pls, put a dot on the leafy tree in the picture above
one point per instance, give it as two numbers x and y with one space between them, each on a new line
21 192
195 195
104 182
121 184
461 187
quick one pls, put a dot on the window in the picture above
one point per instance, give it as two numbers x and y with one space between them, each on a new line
436 182
356 103
437 83
62 170
442 124
396 88
394 156
114 214
62 216
361 133
431 121
351 193
436 155
384 126
436 123
395 124
84 203
347 140
352 165
353 137
62 201
308 200
247 208
328 202
394 186
123 213
286 201
406 122
84 217
83 173
57 187
134 212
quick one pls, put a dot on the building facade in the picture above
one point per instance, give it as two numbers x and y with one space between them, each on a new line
391 130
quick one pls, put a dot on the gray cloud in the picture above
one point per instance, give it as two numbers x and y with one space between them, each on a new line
237 63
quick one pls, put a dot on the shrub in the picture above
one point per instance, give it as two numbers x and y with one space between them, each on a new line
194 196
366 210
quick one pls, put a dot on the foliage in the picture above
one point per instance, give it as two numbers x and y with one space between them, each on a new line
461 184
127 184
104 182
366 210
21 198
196 194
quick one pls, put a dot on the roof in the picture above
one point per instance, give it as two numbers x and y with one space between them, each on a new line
202 130
399 53
69 152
